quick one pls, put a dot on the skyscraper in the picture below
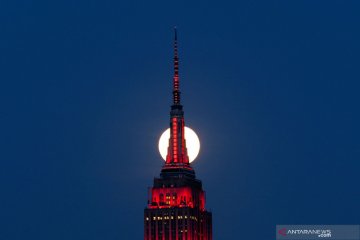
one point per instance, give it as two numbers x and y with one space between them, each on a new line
176 205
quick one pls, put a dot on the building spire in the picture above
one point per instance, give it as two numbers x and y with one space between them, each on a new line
176 87
177 156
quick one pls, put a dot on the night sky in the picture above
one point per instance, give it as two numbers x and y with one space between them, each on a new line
271 88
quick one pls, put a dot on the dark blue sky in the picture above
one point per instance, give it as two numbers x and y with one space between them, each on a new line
271 87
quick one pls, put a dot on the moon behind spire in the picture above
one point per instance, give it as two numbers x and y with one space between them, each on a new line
192 143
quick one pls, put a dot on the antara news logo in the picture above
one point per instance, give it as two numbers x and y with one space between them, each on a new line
321 233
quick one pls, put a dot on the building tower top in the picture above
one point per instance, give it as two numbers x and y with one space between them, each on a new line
176 201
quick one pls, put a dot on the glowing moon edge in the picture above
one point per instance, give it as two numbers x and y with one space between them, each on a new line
192 143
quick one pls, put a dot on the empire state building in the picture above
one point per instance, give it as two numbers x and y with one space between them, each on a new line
176 206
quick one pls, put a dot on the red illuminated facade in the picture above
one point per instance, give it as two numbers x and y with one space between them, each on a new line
176 205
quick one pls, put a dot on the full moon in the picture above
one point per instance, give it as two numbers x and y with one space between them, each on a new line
192 143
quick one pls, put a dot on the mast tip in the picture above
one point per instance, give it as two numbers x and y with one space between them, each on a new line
175 30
